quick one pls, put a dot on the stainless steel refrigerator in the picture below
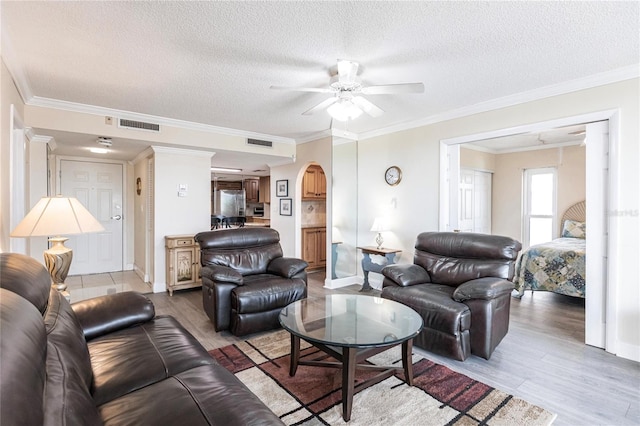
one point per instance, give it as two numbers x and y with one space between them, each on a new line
229 203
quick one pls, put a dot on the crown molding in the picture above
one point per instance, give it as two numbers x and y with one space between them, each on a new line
595 80
143 155
163 121
314 136
49 140
473 147
345 134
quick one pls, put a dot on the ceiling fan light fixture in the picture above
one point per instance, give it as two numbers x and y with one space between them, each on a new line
344 110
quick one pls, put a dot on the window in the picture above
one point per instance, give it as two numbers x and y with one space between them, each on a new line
539 205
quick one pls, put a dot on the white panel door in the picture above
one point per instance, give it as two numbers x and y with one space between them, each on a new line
482 202
474 201
98 186
466 201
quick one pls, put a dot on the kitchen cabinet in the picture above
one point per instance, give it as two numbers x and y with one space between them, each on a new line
264 191
251 187
314 247
225 184
182 262
314 184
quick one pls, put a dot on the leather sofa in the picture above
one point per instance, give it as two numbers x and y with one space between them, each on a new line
107 360
245 279
460 283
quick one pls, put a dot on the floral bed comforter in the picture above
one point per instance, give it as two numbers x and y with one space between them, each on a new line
557 266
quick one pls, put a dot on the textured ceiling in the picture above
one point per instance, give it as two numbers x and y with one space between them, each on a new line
213 62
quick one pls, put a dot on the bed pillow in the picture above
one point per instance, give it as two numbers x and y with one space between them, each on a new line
574 229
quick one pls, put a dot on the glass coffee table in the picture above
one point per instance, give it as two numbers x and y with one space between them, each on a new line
352 328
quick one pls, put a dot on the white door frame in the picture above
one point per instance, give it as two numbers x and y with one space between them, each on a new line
17 178
449 163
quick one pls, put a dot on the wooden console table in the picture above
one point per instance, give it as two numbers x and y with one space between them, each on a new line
368 266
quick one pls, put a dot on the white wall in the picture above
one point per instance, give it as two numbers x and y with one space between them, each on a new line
417 152
176 215
318 152
140 170
507 197
8 95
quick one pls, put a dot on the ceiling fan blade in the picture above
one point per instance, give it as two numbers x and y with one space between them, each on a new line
394 88
347 71
320 106
303 89
367 106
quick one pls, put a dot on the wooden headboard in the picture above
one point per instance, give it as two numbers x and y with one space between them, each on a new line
577 212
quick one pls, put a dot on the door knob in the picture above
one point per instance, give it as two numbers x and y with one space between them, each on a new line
116 217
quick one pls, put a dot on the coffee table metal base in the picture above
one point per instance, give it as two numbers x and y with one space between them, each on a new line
350 359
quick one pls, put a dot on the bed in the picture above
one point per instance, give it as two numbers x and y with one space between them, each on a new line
559 265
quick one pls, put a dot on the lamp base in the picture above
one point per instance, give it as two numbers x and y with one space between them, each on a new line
379 241
58 260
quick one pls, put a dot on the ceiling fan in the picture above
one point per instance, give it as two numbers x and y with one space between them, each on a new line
347 102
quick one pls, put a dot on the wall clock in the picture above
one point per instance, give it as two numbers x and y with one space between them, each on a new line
393 175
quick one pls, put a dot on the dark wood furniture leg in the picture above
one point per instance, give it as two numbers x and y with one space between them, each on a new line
295 355
348 381
407 347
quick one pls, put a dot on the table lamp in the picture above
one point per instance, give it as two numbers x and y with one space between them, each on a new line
57 216
380 225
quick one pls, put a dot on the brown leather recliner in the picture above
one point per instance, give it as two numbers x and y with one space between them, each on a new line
245 279
460 284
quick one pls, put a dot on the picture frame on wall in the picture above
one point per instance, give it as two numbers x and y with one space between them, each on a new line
286 207
282 188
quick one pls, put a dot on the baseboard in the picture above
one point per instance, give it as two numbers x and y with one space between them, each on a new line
140 273
342 282
159 287
628 351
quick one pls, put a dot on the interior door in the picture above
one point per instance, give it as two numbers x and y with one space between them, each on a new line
474 202
98 186
466 201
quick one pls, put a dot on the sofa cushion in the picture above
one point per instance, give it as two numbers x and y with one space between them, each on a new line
22 369
105 314
206 395
132 358
26 277
265 292
68 399
435 305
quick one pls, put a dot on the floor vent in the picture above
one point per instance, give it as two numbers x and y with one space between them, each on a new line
258 142
140 125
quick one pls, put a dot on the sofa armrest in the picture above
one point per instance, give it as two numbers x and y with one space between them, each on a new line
105 314
406 274
219 273
482 288
286 267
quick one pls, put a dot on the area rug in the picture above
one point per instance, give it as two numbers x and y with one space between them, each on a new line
312 397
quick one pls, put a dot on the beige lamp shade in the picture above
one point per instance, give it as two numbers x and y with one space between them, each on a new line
57 216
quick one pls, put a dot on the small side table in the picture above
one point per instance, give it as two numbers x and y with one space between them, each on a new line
368 266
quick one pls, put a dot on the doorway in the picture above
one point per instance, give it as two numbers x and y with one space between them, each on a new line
99 187
600 319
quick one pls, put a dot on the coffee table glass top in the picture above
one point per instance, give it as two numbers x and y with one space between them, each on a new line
348 320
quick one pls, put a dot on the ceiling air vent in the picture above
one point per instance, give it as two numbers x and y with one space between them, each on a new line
139 125
258 142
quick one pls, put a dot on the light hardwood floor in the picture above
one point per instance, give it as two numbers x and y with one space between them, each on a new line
542 359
